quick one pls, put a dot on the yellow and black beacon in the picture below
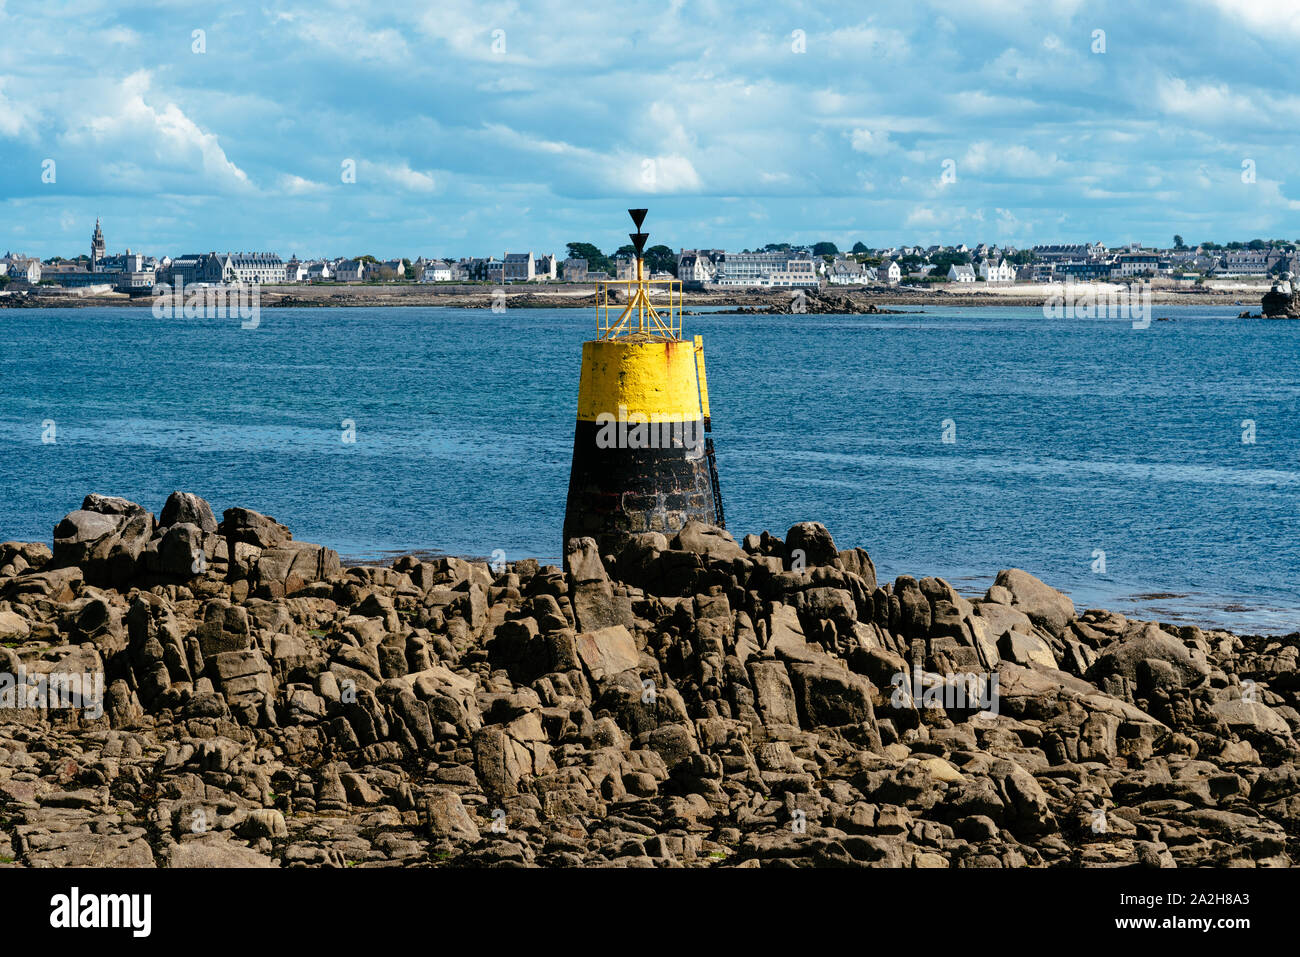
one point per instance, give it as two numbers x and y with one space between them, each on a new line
643 458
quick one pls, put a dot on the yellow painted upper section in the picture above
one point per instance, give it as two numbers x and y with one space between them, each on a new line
703 379
655 379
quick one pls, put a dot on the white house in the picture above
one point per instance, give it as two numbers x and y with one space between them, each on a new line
1001 271
695 266
845 272
435 270
1144 263
253 268
961 272
22 268
889 272
544 267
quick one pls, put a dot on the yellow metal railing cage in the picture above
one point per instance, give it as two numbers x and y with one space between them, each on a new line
638 316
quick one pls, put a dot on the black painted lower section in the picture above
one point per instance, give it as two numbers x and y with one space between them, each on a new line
616 491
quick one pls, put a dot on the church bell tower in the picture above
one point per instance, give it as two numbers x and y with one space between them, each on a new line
96 246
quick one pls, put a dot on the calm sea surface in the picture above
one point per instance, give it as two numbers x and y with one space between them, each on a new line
1073 438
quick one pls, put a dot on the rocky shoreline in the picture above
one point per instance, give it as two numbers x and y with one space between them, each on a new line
688 701
815 302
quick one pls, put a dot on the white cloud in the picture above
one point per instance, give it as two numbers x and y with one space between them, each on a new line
344 35
122 36
875 143
656 174
16 116
922 216
988 158
123 122
1265 17
400 175
1218 104
298 186
620 170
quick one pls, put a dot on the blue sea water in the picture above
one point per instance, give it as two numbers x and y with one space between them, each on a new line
1072 437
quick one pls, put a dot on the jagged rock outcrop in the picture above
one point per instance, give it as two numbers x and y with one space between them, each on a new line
818 302
242 699
1282 301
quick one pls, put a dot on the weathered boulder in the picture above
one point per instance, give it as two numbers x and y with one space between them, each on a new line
245 679
1242 715
216 849
857 561
104 538
596 606
913 607
181 553
289 567
1046 607
448 818
1027 810
707 540
1002 618
19 557
76 535
811 544
225 627
582 561
1282 301
1126 657
828 695
773 693
252 528
183 507
607 652
158 655
13 627
1026 650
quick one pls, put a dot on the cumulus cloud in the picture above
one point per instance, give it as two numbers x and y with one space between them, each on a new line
399 175
1267 18
988 158
16 117
298 185
874 143
122 122
1222 104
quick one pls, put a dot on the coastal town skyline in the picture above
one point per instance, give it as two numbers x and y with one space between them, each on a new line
612 241
504 128
772 265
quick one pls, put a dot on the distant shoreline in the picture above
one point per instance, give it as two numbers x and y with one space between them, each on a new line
583 296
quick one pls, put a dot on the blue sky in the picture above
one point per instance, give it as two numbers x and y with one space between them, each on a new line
469 141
